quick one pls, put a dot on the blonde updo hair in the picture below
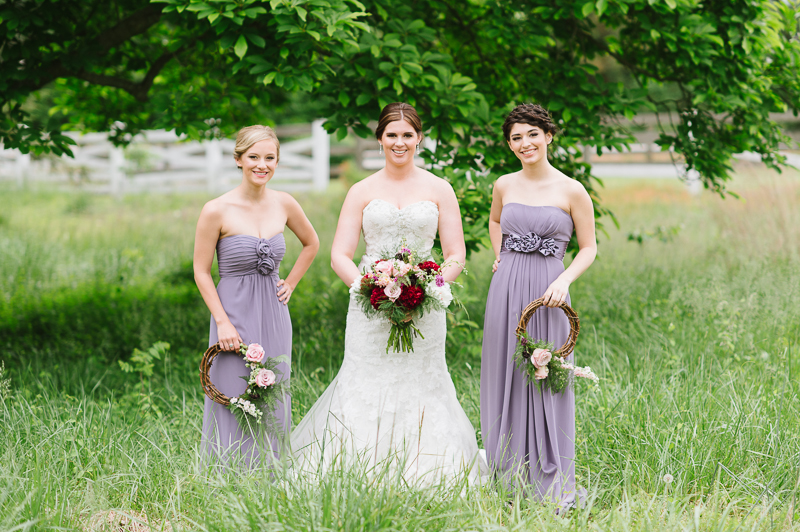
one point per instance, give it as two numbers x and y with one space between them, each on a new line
248 136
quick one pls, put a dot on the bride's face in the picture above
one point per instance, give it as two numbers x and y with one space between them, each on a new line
529 143
399 142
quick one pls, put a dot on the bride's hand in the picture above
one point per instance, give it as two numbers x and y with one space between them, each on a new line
285 292
556 293
229 339
494 265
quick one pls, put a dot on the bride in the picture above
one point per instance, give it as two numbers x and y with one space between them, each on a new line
393 411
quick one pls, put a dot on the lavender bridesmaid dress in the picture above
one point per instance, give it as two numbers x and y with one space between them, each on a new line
529 435
248 269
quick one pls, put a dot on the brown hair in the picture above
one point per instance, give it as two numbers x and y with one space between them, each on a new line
248 136
532 114
398 111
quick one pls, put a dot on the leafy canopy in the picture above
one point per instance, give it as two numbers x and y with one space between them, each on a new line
713 70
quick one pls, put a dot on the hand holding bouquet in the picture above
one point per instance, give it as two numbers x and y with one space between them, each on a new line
402 289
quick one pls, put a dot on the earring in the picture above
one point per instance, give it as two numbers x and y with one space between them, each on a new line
418 146
380 149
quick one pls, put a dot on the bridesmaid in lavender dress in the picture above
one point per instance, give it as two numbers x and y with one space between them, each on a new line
245 227
529 434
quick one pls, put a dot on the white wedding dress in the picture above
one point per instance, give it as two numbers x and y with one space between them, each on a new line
395 411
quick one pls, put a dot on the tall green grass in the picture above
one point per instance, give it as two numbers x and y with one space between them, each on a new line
696 339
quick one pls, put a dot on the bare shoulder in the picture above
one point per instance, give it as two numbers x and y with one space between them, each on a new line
216 207
286 200
503 184
575 192
574 188
438 184
363 191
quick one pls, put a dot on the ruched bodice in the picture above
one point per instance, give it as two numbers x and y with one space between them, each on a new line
385 227
546 234
239 255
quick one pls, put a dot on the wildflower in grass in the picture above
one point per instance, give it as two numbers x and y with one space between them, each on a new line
668 478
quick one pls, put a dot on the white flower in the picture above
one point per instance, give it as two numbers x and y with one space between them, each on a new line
668 478
355 286
442 294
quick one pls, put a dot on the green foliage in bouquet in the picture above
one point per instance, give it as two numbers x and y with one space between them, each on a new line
266 389
401 287
536 360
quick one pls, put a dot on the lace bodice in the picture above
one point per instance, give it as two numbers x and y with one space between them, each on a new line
385 227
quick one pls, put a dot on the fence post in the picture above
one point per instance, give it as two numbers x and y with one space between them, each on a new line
23 164
116 171
320 155
213 163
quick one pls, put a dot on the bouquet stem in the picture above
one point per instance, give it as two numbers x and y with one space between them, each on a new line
401 336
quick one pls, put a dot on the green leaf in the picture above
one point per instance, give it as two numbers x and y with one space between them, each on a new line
285 52
601 6
344 99
587 9
363 98
257 40
302 13
241 47
269 77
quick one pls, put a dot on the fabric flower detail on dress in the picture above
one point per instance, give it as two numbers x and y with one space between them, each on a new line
529 243
548 247
266 261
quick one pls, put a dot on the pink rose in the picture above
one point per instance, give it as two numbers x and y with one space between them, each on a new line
541 357
255 353
385 266
404 268
393 291
265 378
541 373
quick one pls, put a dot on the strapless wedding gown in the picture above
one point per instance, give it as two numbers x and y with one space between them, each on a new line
391 411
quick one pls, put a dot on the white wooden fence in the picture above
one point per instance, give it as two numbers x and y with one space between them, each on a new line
161 161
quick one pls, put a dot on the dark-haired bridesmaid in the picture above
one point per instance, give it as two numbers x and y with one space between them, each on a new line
529 434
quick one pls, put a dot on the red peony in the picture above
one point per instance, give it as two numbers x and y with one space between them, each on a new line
429 266
412 296
376 297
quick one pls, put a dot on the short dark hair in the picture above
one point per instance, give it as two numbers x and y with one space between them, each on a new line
398 111
532 114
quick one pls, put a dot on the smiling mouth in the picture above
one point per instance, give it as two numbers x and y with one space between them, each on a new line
399 152
529 152
261 174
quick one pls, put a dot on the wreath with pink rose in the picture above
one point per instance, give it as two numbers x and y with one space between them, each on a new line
537 360
266 388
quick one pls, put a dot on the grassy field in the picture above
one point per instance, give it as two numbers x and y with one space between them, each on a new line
689 316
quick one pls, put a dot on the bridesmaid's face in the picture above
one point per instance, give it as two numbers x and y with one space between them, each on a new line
259 162
529 143
400 142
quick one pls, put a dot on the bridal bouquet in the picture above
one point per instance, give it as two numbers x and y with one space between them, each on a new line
536 360
402 289
264 390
